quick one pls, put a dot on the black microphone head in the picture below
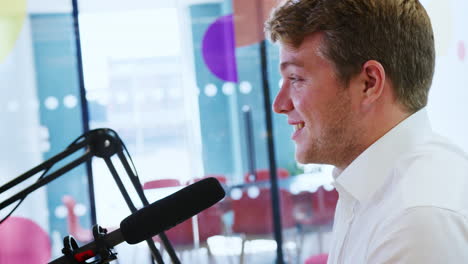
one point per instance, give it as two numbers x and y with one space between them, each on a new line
171 210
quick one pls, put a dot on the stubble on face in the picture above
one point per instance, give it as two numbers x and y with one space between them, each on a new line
337 143
316 95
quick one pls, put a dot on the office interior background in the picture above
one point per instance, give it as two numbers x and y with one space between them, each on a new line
181 82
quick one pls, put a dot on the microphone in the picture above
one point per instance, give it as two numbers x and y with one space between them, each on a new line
155 218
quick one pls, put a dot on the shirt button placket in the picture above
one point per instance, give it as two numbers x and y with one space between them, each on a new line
350 217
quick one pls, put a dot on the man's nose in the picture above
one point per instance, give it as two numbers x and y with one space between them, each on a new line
283 103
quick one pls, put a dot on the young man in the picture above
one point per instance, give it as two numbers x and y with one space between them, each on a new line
356 79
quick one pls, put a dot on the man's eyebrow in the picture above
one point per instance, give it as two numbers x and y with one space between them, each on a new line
285 64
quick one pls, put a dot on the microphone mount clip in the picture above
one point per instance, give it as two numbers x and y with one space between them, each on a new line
104 253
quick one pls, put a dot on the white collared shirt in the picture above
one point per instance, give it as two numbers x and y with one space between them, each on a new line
404 200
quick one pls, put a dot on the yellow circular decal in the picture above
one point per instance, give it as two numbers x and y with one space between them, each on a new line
12 17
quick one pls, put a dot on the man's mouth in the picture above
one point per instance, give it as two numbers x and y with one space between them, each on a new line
298 126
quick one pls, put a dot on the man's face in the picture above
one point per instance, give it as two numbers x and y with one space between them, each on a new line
316 103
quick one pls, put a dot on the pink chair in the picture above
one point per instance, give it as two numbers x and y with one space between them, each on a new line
321 204
264 175
210 220
209 224
318 259
314 212
23 241
74 228
181 236
225 204
253 216
220 177
162 183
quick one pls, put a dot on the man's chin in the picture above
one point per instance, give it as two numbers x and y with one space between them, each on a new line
305 157
302 158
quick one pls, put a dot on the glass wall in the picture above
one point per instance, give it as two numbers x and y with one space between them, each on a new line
174 79
23 140
183 85
41 116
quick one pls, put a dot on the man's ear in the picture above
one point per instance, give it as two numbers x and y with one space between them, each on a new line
372 79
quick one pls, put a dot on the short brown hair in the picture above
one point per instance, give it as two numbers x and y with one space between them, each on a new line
397 33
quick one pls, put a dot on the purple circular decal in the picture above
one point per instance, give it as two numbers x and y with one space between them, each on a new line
218 49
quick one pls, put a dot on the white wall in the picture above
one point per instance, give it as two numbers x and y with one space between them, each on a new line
448 98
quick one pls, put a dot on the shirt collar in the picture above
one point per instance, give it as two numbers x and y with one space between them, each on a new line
366 174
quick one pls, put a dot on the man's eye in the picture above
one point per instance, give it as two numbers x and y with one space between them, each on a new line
294 79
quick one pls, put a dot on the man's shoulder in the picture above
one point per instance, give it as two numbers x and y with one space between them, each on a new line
436 154
433 174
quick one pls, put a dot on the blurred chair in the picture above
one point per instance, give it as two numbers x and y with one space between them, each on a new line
225 204
220 177
253 212
161 183
314 212
264 175
317 259
73 224
23 241
210 220
182 236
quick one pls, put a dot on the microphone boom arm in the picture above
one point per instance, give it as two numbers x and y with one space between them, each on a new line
103 143
42 167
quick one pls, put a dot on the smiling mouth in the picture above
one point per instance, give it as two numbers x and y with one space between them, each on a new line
298 126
